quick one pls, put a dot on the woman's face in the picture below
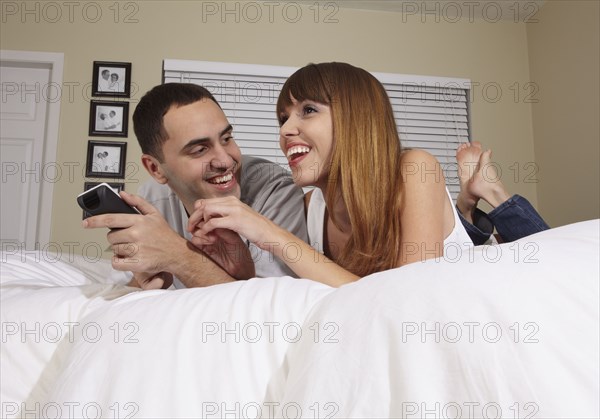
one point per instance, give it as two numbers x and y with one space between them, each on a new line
306 139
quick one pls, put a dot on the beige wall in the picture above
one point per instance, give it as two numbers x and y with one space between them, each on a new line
492 55
564 48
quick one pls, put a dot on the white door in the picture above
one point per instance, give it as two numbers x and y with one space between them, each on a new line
27 142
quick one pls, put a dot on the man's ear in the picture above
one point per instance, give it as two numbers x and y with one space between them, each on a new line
154 167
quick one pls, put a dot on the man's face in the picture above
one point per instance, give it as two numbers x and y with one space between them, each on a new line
201 158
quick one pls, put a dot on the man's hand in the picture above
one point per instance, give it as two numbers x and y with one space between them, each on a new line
141 243
146 245
229 252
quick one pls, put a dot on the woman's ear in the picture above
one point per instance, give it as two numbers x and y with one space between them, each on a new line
154 167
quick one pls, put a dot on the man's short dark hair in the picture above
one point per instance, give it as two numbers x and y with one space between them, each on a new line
148 116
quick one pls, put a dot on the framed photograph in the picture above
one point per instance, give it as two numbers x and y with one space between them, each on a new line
109 119
106 159
111 79
117 187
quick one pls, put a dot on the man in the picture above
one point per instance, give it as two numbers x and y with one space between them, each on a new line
190 153
104 81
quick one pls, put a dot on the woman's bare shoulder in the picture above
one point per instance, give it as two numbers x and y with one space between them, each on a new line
415 155
418 165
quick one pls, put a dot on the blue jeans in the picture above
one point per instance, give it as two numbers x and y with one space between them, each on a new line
514 219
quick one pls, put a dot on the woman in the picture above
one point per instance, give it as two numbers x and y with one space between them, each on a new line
385 207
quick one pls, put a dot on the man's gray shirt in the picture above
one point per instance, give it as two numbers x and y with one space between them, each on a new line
266 187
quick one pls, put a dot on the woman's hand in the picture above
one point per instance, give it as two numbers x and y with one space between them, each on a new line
229 213
220 240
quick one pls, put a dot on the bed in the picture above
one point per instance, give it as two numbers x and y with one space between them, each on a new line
507 330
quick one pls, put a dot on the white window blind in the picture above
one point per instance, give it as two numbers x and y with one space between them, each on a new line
431 112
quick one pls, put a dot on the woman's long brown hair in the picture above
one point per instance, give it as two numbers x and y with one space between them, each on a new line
365 165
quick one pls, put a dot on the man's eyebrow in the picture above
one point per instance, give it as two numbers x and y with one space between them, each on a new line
204 140
193 143
227 129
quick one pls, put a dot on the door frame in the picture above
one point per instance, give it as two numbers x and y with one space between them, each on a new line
55 60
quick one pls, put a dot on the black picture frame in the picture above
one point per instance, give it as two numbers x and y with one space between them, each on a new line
106 159
118 187
111 78
108 119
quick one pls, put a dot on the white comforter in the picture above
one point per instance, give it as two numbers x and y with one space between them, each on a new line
505 331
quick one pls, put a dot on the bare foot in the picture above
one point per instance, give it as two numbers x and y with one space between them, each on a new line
467 157
485 183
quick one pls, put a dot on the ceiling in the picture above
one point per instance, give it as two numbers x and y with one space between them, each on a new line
446 10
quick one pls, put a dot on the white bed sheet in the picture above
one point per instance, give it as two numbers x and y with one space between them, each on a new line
422 341
137 353
365 350
42 300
